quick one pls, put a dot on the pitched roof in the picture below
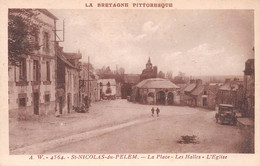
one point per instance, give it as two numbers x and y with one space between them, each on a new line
213 89
182 87
105 81
153 83
70 55
233 85
190 87
48 13
198 90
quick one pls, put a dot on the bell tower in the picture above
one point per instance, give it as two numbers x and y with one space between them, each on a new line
149 65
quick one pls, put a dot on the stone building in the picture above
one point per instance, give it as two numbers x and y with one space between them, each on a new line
149 71
31 85
89 85
249 88
228 92
156 91
187 96
205 96
67 81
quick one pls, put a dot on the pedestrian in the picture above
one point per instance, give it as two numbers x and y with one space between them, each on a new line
86 101
157 111
152 111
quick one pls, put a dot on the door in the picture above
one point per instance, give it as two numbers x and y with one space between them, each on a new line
68 96
36 103
60 105
204 101
170 98
161 98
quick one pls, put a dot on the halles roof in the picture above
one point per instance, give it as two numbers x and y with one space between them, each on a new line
154 83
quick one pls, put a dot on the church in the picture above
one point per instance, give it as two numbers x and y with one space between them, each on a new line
153 90
149 71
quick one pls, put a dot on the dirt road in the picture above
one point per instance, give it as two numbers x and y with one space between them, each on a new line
161 135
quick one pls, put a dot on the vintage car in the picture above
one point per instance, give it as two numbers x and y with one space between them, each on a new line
226 114
108 97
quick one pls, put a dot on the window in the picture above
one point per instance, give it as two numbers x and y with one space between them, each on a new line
47 98
22 69
22 102
48 71
46 41
205 93
36 74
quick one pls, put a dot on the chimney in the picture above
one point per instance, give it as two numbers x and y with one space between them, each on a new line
198 82
192 81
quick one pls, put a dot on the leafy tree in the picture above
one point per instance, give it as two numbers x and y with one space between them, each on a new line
121 71
161 74
179 79
169 75
23 31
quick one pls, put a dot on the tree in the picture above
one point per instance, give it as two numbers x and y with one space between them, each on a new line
88 65
161 75
169 75
179 79
23 30
108 71
121 71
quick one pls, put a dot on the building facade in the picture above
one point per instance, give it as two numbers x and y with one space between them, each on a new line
31 85
156 91
89 86
67 81
249 88
228 92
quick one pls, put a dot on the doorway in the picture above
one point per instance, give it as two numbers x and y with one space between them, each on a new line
60 104
69 100
204 101
160 97
36 103
170 98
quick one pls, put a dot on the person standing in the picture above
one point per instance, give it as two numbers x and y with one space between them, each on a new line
157 111
86 101
152 111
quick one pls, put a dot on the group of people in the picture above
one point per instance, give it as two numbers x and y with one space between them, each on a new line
157 111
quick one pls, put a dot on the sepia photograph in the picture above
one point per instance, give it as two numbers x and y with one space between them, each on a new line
131 81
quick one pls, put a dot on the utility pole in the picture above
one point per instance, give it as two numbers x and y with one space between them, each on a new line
56 56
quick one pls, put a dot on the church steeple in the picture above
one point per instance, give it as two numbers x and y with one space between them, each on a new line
149 65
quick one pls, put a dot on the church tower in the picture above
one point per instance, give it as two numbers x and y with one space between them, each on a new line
149 65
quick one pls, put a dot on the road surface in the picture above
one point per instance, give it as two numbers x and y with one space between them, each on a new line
161 135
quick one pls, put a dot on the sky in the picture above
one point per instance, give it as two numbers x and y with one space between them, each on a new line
196 42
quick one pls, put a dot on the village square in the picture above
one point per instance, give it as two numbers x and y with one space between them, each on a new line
61 102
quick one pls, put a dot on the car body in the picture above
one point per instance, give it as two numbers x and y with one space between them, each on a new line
109 97
226 114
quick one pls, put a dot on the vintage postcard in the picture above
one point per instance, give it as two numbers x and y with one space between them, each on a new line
130 82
